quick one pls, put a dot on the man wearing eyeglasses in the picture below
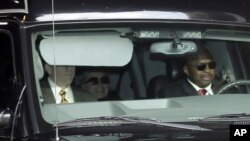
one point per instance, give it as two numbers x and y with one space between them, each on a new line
96 82
199 68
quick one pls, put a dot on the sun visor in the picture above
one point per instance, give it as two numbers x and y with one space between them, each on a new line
87 49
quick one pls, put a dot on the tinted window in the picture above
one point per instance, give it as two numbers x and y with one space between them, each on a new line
6 68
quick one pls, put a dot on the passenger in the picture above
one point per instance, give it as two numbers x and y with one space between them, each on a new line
56 88
199 68
97 83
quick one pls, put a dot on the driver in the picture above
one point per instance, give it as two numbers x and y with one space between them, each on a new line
199 68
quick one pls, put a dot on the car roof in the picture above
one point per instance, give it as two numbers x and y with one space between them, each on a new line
234 11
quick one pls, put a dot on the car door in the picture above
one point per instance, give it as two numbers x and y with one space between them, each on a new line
11 67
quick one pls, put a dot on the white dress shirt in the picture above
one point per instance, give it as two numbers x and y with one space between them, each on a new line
55 89
208 88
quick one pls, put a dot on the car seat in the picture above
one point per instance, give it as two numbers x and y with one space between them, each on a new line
174 73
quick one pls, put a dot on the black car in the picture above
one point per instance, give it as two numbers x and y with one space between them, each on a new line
140 46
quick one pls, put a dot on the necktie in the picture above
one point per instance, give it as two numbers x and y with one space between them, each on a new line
202 92
62 93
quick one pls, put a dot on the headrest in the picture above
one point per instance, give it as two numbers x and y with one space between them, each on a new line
175 69
155 85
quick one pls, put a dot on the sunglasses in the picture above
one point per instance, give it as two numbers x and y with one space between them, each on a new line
96 80
202 66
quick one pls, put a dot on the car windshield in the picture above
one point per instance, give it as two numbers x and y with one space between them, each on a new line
145 72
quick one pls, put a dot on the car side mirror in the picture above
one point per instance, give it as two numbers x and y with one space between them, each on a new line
6 116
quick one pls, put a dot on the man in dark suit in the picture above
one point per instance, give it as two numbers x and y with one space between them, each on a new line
56 88
199 68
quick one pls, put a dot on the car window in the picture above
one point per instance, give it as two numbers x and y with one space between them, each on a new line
115 76
245 51
6 69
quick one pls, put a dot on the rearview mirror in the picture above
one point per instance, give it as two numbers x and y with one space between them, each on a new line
173 48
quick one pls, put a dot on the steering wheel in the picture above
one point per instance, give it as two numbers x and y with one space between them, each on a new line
233 84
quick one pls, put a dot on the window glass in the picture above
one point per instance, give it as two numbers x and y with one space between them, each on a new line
245 50
79 70
6 69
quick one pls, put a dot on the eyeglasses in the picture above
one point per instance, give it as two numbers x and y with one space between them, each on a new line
202 66
96 80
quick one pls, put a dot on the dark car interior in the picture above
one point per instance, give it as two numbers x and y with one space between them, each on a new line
147 72
158 70
6 69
